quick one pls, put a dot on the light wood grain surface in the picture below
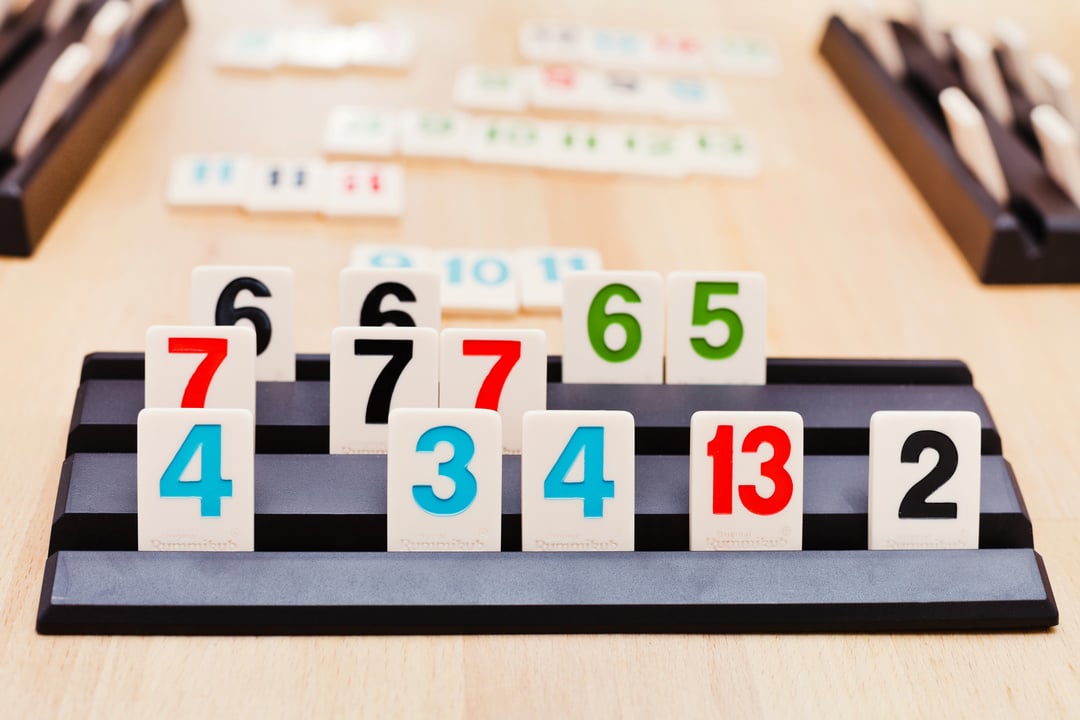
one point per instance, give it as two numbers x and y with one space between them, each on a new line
857 267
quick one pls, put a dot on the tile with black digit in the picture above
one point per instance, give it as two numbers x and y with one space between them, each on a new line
200 367
716 328
613 327
404 297
373 371
196 479
746 480
286 186
924 480
263 297
577 481
444 481
501 370
630 92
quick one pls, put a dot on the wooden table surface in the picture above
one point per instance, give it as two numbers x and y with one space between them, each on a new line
857 267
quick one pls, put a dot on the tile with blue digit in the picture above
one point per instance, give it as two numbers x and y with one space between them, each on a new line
746 480
503 370
444 481
373 371
540 272
286 186
196 479
577 481
386 256
480 281
261 297
209 181
613 48
694 98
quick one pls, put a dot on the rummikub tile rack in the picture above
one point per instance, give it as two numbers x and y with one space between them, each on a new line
1035 237
320 564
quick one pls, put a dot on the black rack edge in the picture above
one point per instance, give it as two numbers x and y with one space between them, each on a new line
468 593
991 238
34 191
